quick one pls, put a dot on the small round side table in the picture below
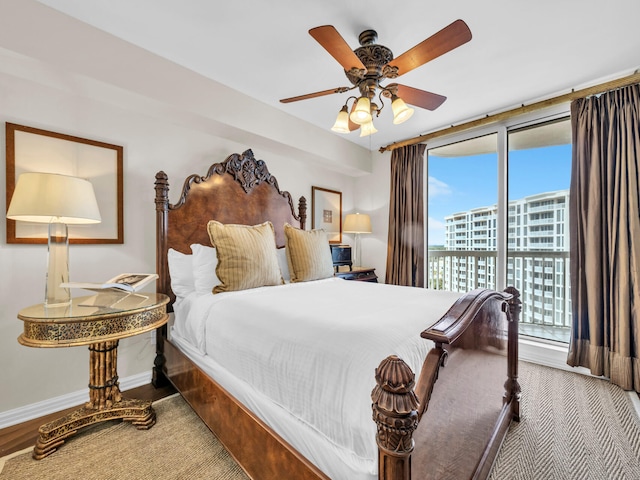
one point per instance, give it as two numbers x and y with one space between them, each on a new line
99 321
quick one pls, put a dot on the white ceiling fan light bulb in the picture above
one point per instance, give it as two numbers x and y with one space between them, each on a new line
367 129
342 121
362 113
401 112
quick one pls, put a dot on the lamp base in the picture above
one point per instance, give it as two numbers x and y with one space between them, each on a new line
356 253
58 269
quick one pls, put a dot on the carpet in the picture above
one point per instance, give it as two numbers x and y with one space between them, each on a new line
178 446
573 427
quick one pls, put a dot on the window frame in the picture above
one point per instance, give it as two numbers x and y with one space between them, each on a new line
502 130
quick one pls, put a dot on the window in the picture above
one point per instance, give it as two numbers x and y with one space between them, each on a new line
516 231
462 192
533 152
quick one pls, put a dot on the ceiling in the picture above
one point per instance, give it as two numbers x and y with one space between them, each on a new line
521 51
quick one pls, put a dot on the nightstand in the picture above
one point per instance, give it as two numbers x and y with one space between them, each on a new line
98 321
361 274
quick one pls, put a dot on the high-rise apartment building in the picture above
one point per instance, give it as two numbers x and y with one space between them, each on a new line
537 258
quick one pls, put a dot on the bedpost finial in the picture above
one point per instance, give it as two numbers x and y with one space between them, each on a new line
395 376
302 211
515 304
395 406
162 190
513 291
162 180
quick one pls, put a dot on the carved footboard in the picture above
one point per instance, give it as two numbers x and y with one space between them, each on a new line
457 428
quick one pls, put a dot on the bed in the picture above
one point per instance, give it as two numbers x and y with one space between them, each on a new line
406 382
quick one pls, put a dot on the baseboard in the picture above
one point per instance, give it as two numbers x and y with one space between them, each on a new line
635 401
56 404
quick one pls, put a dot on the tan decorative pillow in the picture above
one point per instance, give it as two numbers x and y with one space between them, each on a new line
308 254
246 256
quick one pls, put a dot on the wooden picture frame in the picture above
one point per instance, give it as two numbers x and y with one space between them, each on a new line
34 150
326 212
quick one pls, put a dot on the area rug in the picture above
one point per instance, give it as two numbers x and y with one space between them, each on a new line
178 446
573 427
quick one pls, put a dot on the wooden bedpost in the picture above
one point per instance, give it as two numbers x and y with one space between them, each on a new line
395 412
158 378
302 212
512 387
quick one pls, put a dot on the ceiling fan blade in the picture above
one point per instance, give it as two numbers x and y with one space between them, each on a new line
450 37
332 41
420 98
315 94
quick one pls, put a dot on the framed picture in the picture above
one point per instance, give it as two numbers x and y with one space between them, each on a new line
34 150
326 212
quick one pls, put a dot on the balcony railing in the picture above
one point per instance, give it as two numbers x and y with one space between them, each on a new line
551 313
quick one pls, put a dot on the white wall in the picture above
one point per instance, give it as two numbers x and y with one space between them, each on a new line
371 196
47 88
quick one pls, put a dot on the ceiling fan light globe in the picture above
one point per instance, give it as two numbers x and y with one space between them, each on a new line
401 112
367 129
342 121
362 113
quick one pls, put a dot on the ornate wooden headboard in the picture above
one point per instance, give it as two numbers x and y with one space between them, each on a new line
238 190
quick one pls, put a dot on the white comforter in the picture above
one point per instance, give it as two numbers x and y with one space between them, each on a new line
313 347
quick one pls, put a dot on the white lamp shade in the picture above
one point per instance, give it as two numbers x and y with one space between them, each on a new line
342 121
357 223
401 112
362 113
41 197
367 129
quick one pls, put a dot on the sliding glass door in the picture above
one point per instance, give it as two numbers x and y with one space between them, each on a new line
498 215
539 166
462 212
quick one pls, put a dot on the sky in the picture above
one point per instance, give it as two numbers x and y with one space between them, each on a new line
458 184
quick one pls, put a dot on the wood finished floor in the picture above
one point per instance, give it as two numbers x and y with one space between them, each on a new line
23 435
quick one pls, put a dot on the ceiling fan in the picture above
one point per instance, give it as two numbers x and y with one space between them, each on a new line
370 64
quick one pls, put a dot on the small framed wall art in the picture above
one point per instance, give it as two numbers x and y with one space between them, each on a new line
326 212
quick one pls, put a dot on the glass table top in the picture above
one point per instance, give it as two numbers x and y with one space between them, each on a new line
97 305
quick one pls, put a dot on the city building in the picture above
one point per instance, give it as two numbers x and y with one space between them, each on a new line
537 258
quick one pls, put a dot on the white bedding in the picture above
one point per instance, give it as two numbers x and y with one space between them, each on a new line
312 349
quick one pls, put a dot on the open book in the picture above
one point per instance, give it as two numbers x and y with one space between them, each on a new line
125 282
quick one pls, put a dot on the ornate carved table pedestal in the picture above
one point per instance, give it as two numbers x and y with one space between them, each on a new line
99 321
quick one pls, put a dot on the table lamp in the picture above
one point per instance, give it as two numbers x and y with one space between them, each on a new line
57 200
357 223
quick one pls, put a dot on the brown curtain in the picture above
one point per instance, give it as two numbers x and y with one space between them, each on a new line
605 236
405 251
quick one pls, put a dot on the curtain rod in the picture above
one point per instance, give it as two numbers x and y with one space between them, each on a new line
585 92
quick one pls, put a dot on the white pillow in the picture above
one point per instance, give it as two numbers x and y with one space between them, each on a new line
204 268
281 253
181 272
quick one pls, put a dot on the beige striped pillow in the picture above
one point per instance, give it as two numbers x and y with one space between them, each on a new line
308 254
246 256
